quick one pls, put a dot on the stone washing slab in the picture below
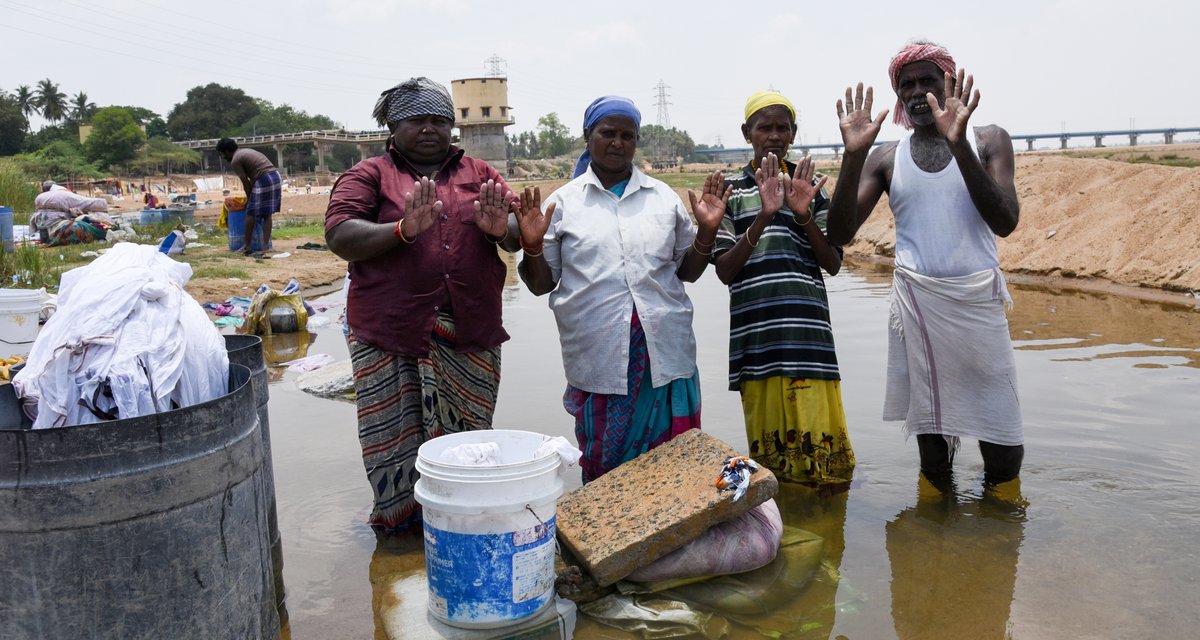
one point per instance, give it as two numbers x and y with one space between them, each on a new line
334 381
652 505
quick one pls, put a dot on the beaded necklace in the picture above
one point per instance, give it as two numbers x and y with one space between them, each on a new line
783 166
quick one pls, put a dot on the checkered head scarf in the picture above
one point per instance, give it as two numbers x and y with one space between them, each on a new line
413 97
916 52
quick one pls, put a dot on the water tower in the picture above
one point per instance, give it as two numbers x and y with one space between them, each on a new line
481 112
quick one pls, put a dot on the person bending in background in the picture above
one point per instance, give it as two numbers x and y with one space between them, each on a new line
770 251
618 247
951 371
263 188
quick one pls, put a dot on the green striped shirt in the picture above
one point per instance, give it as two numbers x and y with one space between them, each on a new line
778 309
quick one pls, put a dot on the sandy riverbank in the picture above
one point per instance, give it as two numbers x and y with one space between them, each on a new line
1086 223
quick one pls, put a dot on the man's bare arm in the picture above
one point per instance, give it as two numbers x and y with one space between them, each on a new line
859 187
990 178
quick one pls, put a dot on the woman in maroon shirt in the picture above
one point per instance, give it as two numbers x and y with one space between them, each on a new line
419 227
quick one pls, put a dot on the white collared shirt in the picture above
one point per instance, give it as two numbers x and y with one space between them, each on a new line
609 255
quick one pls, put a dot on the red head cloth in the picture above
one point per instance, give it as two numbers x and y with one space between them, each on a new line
916 52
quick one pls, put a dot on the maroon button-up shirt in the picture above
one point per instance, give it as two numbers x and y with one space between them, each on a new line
394 298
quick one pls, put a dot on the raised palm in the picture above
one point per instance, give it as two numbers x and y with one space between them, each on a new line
859 130
421 208
951 121
798 188
770 187
532 221
709 208
491 209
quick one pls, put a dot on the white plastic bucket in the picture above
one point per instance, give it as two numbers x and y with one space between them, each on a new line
489 530
19 310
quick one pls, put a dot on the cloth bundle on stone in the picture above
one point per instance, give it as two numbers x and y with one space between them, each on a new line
126 341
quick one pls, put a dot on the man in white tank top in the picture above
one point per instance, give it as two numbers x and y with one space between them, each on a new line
950 187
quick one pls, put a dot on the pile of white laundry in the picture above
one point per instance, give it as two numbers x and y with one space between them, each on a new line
126 341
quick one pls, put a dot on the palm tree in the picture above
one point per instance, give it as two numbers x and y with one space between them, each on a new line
50 101
26 100
81 109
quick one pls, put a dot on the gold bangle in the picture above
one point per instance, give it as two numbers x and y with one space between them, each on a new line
696 248
752 244
502 238
810 219
530 254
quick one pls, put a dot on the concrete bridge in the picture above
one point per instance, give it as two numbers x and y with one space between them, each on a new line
1168 136
322 140
742 154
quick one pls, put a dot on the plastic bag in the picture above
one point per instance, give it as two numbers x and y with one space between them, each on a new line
274 312
742 544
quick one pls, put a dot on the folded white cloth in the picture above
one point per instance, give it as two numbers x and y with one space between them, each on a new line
472 454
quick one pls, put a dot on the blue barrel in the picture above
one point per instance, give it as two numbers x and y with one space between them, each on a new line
237 230
174 217
147 527
6 228
151 216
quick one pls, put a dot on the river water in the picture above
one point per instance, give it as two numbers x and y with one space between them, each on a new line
1102 540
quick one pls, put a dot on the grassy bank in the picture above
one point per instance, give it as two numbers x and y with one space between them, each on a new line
32 266
16 191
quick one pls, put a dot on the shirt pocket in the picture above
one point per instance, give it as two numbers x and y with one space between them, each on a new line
656 233
463 198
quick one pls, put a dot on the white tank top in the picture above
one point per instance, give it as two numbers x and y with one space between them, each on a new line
939 232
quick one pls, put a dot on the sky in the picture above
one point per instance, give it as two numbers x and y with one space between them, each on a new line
1041 66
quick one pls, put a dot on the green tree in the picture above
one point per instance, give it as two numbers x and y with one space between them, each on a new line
156 127
51 102
115 137
160 155
210 111
26 100
65 132
553 137
282 119
658 143
81 108
58 160
13 125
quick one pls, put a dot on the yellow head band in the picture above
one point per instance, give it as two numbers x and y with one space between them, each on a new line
763 99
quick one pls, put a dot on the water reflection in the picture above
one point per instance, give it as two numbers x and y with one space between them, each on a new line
954 562
1095 326
285 347
1108 393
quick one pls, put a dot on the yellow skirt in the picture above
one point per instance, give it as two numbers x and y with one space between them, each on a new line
797 428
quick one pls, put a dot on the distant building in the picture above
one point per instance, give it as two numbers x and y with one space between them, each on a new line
481 112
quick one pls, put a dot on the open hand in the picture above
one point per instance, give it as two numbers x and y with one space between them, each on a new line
859 130
421 208
770 187
491 209
951 121
710 207
532 221
799 190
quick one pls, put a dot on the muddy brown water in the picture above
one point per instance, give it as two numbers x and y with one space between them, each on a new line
1106 547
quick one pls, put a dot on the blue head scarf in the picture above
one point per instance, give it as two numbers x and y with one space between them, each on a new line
601 108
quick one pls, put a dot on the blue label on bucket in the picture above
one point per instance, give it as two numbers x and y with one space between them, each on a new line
490 577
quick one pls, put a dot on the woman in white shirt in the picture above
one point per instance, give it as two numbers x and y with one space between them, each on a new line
617 247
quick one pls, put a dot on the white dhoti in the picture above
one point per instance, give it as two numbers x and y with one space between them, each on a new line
950 359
